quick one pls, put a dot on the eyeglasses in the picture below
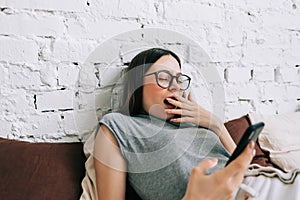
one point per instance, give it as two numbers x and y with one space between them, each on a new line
164 79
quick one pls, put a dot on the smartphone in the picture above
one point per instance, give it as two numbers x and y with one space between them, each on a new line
251 133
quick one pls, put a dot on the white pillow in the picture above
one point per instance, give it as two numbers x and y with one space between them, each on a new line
281 137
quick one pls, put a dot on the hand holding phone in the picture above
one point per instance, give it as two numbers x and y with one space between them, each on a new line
251 133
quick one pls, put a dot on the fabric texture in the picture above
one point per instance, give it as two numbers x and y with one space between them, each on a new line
160 155
281 137
236 129
40 170
269 183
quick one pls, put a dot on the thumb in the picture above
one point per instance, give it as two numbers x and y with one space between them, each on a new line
207 164
190 97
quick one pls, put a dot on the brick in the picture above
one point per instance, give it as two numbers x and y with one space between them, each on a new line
15 101
103 99
273 91
23 77
86 28
262 55
61 99
287 75
264 74
293 92
276 20
68 74
125 9
42 126
193 11
71 50
16 50
236 75
287 106
265 108
231 93
48 75
69 123
67 5
22 24
85 121
5 128
4 74
236 110
248 91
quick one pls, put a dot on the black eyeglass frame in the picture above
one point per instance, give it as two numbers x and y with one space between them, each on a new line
171 80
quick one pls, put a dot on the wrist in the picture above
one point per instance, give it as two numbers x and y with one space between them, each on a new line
217 126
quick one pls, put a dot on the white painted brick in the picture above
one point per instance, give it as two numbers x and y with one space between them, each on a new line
231 93
67 5
287 106
103 99
288 74
283 21
69 123
261 55
193 11
86 28
236 110
220 53
23 77
86 100
15 101
273 91
124 9
293 91
264 73
61 99
248 91
5 128
16 50
39 125
68 74
109 75
85 120
236 75
23 24
3 74
48 74
71 50
265 108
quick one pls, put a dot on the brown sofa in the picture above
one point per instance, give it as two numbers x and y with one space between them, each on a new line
37 171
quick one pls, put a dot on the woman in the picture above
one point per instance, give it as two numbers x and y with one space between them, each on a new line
159 137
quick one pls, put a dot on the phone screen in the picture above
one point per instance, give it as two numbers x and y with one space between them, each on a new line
251 133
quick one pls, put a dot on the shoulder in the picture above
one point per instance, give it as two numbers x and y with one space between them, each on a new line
114 117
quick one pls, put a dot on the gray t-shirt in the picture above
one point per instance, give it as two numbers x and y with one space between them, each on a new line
160 155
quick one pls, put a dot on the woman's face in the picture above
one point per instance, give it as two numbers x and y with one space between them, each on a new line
154 96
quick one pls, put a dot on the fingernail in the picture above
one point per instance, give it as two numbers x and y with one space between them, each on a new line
253 152
252 144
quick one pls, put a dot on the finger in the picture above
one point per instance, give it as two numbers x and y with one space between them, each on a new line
190 97
181 112
178 103
239 166
207 164
183 119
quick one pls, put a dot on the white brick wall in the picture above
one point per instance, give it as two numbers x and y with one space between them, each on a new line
45 46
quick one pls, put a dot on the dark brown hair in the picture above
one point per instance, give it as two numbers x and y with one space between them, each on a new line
133 79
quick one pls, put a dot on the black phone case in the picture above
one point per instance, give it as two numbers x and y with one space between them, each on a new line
251 133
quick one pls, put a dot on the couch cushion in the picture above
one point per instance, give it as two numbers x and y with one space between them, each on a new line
40 170
281 138
236 129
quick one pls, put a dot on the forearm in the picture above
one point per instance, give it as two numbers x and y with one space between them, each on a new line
224 135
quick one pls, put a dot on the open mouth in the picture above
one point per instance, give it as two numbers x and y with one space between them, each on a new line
169 105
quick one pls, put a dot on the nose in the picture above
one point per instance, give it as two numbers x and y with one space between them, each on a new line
174 85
